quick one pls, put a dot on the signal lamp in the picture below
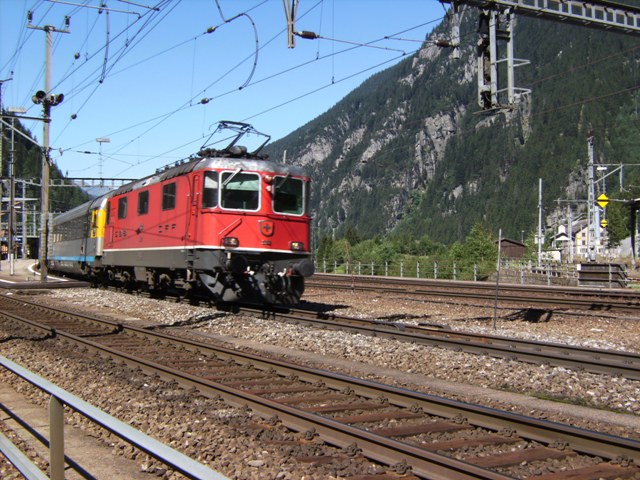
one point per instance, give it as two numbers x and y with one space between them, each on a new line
55 99
296 246
39 97
230 242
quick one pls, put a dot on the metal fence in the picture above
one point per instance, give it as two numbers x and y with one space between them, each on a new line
511 270
59 398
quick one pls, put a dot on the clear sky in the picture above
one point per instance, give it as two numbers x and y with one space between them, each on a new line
136 76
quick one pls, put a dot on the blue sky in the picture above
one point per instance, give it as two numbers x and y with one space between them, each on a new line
144 91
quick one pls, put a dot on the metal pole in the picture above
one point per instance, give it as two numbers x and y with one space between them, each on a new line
47 102
56 438
1 150
539 221
12 192
590 203
495 304
1 140
44 188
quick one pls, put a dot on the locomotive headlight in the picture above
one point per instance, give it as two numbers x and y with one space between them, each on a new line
268 179
230 242
296 246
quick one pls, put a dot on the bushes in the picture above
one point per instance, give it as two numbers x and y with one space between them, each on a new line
403 256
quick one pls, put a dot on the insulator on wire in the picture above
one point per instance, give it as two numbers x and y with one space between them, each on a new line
308 35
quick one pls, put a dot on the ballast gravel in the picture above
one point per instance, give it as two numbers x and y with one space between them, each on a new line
555 383
614 401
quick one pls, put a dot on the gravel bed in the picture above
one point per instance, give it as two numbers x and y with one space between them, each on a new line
375 358
229 440
612 393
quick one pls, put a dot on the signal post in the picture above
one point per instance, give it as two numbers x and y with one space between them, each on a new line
47 100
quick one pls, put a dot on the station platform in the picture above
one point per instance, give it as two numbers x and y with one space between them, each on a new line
26 276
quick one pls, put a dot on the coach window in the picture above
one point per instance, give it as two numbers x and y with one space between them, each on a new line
240 191
122 207
210 190
169 196
143 202
288 196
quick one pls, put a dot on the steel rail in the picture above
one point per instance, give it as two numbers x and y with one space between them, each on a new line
434 282
455 289
379 448
600 361
374 446
593 360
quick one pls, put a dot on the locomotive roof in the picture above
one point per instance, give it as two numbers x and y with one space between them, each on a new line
250 164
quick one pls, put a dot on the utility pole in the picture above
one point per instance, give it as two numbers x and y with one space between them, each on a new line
47 100
539 221
1 146
570 232
12 191
592 226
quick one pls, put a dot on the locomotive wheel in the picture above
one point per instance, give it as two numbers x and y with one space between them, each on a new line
282 289
217 285
295 290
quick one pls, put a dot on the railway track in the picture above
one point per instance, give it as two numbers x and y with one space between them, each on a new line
600 361
410 432
594 299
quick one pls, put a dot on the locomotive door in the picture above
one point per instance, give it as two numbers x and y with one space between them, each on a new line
191 233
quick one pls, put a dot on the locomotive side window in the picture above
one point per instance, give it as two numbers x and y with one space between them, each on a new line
108 213
240 191
143 202
122 207
169 196
288 195
210 190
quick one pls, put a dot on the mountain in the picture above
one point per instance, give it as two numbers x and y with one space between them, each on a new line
408 152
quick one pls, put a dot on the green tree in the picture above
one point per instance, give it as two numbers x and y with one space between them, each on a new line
341 251
480 245
352 236
324 249
618 224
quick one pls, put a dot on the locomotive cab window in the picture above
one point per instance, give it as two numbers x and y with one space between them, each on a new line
288 195
169 196
122 207
210 190
240 191
143 202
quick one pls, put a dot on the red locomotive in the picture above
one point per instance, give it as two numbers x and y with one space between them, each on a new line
229 222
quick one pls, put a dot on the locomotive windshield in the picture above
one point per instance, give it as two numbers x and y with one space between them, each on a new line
240 191
288 195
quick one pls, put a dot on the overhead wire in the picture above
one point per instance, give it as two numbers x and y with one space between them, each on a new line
118 54
308 93
190 103
105 69
72 71
164 117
